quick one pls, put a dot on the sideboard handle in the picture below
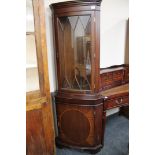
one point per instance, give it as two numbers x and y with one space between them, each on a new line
117 102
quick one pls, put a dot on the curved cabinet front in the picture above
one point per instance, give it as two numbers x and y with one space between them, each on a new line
80 125
77 43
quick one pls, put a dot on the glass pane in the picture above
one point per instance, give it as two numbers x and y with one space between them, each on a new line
75 51
29 16
32 77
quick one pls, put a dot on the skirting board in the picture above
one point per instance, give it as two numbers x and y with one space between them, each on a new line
112 111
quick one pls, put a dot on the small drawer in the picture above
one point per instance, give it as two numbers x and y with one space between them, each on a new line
107 78
116 102
117 75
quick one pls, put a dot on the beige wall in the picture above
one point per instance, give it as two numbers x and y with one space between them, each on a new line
114 16
113 45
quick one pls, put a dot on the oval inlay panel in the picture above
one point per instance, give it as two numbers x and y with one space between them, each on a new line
75 125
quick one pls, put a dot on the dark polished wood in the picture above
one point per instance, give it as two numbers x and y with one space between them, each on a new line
116 91
81 110
57 9
73 6
91 150
84 127
84 114
113 76
116 97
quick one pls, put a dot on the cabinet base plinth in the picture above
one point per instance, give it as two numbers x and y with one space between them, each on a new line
92 150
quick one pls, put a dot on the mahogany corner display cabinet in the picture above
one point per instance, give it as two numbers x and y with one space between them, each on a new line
82 98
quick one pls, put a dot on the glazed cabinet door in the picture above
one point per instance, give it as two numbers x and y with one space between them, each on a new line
74 37
39 119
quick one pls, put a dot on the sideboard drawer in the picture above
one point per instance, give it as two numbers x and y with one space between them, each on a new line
116 102
118 75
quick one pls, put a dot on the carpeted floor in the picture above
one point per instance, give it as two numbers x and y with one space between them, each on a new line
116 138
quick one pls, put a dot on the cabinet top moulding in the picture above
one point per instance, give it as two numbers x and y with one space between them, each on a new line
69 4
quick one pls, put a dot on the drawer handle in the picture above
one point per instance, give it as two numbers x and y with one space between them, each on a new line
117 102
121 100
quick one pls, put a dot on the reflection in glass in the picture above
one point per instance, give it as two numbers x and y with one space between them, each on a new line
74 49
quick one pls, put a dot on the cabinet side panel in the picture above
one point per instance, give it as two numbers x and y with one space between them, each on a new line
97 50
99 124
